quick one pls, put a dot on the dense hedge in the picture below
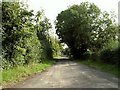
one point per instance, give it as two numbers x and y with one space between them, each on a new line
110 56
25 35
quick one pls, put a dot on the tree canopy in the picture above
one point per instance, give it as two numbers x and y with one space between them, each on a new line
84 27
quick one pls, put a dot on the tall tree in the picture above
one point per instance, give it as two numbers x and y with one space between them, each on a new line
84 27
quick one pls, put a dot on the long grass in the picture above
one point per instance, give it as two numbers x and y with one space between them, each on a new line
18 73
113 69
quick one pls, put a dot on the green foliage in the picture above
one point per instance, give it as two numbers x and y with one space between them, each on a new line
107 55
84 27
110 56
87 55
21 42
56 47
66 52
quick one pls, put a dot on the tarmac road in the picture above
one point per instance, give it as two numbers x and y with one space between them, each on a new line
70 74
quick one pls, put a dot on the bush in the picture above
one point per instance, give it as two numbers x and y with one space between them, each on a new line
21 44
110 56
86 55
95 56
106 55
117 55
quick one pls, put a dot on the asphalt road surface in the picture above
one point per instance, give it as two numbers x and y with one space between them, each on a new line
70 74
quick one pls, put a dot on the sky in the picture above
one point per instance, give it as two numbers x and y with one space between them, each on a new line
53 7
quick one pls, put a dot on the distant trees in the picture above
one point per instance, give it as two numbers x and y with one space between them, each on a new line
66 52
57 47
43 26
84 27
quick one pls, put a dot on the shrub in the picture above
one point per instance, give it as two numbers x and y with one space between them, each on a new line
86 55
94 56
21 44
110 56
117 55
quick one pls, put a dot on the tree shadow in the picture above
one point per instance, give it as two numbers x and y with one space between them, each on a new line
62 59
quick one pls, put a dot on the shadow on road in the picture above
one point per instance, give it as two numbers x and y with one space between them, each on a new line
62 59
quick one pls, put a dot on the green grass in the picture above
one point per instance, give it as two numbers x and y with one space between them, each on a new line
109 68
18 73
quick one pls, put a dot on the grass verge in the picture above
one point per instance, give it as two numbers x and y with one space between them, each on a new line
18 73
109 68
